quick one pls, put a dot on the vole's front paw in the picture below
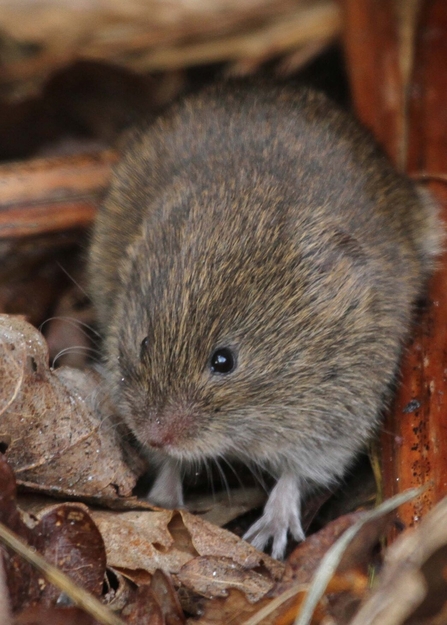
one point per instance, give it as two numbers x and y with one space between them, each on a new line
281 514
167 491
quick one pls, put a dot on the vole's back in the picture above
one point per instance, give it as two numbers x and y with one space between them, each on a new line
247 152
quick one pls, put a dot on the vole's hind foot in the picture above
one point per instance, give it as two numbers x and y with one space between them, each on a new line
281 514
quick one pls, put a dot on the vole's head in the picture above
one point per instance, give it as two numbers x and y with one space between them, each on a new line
244 334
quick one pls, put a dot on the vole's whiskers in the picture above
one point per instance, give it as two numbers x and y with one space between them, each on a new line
223 477
232 469
77 349
70 277
76 323
209 476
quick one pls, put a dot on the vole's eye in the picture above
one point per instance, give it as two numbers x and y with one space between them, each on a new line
144 345
223 360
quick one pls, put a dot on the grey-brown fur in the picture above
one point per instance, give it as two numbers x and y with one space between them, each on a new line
264 220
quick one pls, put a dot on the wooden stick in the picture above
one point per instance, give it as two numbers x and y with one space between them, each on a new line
50 195
404 104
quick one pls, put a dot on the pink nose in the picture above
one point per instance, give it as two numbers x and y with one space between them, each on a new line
160 435
160 441
170 428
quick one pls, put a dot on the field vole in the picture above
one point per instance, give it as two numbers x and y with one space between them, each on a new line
254 268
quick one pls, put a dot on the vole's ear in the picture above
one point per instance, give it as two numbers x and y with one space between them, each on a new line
336 251
344 244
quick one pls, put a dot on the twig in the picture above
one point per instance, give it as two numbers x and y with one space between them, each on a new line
51 194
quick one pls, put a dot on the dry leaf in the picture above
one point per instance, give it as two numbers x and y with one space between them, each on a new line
200 554
22 582
234 609
67 537
140 540
64 534
59 444
212 576
42 615
164 593
208 539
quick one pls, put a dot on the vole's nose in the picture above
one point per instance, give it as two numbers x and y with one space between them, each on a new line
159 438
170 428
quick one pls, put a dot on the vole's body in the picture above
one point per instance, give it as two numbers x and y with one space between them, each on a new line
266 222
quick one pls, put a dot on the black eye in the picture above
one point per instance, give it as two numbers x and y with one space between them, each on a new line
143 347
223 361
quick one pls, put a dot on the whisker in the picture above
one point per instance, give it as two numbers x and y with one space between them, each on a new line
209 476
78 349
83 291
223 478
232 469
75 323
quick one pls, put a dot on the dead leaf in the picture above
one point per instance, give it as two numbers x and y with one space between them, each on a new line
221 508
64 534
166 597
304 560
211 540
169 540
234 609
143 608
212 577
22 581
42 615
60 444
67 537
140 540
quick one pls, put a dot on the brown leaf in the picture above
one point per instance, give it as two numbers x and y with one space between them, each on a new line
231 610
143 608
43 615
166 597
169 540
22 581
67 537
59 443
64 534
212 576
140 540
154 597
209 539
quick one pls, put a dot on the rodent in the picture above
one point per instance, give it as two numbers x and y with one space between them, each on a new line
254 267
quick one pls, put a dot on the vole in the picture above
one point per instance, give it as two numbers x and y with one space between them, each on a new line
254 267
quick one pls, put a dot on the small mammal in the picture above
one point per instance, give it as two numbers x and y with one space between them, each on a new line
254 268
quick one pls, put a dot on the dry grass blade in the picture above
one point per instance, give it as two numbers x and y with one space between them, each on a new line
78 595
5 608
276 603
332 558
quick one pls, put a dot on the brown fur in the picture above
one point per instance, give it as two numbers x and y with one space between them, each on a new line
267 221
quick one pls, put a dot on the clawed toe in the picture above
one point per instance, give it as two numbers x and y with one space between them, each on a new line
281 515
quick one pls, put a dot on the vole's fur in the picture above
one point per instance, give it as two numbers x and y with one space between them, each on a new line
266 221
